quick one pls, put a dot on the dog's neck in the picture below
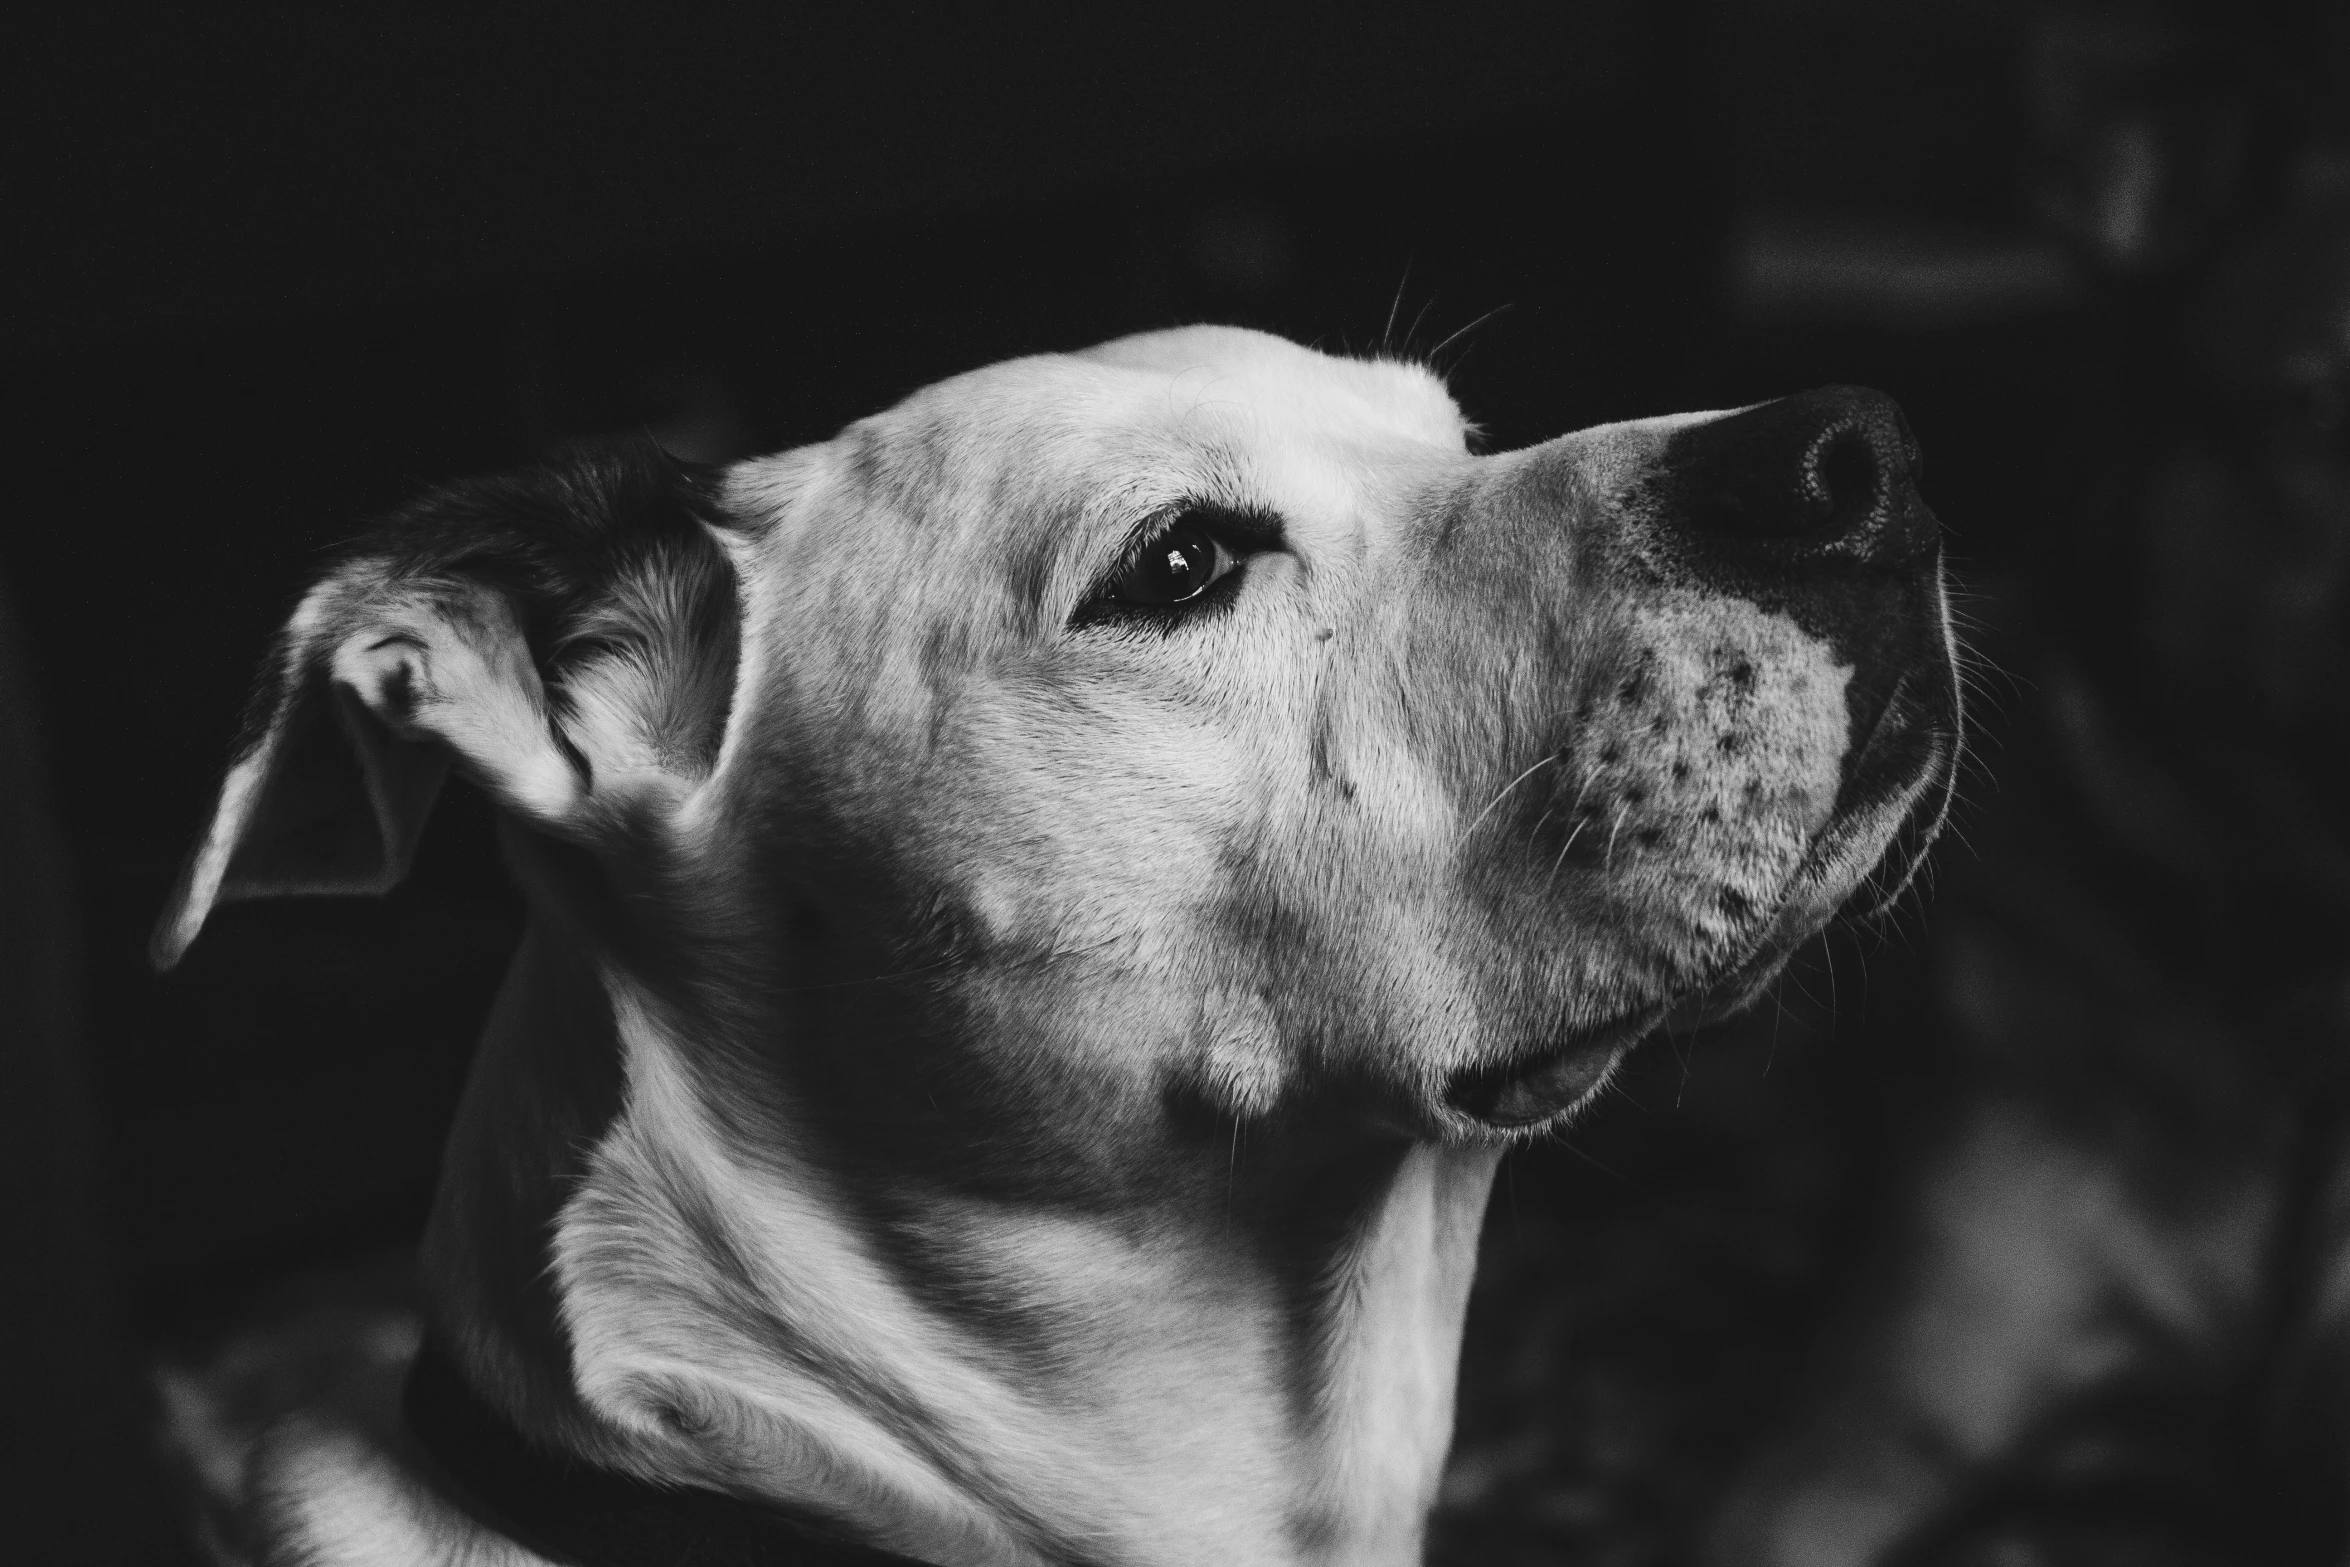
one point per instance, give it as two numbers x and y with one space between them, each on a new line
1252 1366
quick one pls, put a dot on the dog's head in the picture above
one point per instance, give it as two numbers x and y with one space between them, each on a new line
1193 729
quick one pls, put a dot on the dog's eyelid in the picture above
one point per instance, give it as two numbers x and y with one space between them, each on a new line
1244 530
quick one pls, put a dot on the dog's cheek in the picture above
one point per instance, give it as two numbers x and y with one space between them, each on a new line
1707 755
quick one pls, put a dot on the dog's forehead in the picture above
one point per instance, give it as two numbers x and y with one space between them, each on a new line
1297 391
1210 409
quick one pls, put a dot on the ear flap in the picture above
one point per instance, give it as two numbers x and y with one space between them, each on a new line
411 660
370 698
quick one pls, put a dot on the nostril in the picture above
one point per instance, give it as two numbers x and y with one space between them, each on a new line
1825 474
1846 482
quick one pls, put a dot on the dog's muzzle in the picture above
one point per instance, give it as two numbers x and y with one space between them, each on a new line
1807 508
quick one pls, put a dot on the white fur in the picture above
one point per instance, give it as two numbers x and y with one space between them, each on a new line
1282 865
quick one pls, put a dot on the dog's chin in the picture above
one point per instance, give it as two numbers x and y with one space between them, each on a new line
1892 805
1881 844
1736 990
1544 1084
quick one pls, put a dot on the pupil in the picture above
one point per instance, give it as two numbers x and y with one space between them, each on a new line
1175 567
1187 560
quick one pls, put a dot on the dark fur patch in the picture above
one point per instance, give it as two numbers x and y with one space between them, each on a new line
555 537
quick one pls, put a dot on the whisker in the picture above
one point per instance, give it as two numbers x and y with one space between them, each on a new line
1464 332
1497 799
1387 337
1580 823
1559 1140
1418 316
1828 955
1590 774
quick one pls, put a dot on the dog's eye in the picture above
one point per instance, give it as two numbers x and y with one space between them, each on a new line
1189 564
1173 566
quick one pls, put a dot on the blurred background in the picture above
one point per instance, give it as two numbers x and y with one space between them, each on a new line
272 272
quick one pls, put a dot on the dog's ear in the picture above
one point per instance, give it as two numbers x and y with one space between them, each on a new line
565 638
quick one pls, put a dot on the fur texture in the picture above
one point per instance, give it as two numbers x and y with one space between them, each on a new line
1012 1071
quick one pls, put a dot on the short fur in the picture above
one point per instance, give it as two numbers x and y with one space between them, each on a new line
1019 1078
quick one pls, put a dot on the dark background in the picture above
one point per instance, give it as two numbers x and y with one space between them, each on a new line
271 272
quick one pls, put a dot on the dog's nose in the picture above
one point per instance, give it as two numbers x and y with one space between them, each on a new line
1809 507
1826 476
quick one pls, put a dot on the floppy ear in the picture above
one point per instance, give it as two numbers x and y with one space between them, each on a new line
372 692
412 658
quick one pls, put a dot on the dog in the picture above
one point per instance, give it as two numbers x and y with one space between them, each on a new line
1045 911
